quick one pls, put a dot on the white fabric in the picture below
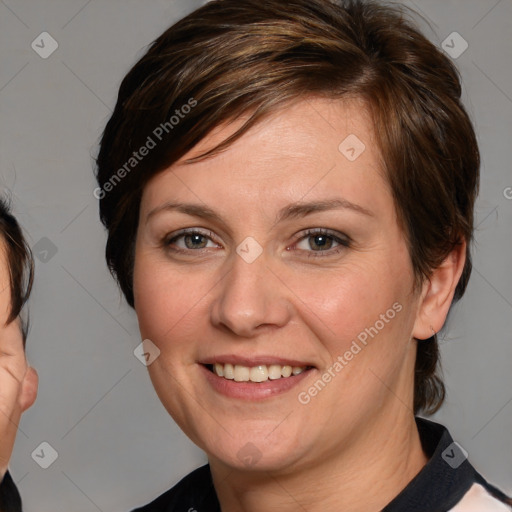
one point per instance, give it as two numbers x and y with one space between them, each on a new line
477 499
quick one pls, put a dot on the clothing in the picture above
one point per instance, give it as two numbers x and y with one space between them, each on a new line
438 487
10 500
447 483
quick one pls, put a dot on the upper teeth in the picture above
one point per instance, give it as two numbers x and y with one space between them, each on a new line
259 373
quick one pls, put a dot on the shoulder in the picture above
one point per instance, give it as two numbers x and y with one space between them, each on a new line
10 500
448 481
193 493
482 497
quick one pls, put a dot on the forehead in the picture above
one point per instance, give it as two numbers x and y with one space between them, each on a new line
312 147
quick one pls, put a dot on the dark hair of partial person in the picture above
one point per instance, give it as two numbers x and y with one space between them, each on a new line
19 261
252 58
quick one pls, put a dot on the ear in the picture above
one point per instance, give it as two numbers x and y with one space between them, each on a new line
437 294
29 387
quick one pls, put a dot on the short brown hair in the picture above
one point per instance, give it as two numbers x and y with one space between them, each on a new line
19 261
233 57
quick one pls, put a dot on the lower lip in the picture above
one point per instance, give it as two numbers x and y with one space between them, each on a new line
253 390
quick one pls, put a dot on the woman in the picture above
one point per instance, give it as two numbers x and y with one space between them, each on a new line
18 380
288 189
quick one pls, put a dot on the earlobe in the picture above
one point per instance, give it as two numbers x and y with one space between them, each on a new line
437 294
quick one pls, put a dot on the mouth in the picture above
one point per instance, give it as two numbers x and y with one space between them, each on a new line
254 379
256 374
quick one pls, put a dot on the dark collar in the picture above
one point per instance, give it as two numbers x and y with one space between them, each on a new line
438 487
443 481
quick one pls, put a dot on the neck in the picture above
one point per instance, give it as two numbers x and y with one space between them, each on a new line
365 476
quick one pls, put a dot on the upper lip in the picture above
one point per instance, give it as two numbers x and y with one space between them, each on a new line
253 360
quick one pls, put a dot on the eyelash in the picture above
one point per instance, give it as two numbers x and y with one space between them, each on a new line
343 241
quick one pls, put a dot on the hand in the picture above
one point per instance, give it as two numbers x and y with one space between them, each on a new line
18 387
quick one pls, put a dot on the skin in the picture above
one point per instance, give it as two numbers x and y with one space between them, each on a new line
355 445
18 381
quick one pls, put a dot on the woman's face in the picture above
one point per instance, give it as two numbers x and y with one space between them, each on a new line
293 257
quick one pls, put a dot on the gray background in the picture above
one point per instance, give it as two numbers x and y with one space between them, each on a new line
117 447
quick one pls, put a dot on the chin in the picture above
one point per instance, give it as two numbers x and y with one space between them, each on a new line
254 452
250 458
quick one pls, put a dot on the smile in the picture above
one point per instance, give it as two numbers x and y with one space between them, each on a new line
260 373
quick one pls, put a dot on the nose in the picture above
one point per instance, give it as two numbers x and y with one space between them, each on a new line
250 298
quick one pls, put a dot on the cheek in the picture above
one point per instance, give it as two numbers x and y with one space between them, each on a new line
349 302
168 304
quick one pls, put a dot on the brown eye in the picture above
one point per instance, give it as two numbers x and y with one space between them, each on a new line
189 241
196 241
322 241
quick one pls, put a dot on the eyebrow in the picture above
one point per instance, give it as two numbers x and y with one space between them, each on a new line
291 211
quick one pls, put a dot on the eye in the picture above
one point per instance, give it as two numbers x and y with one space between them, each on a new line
316 242
190 239
322 241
